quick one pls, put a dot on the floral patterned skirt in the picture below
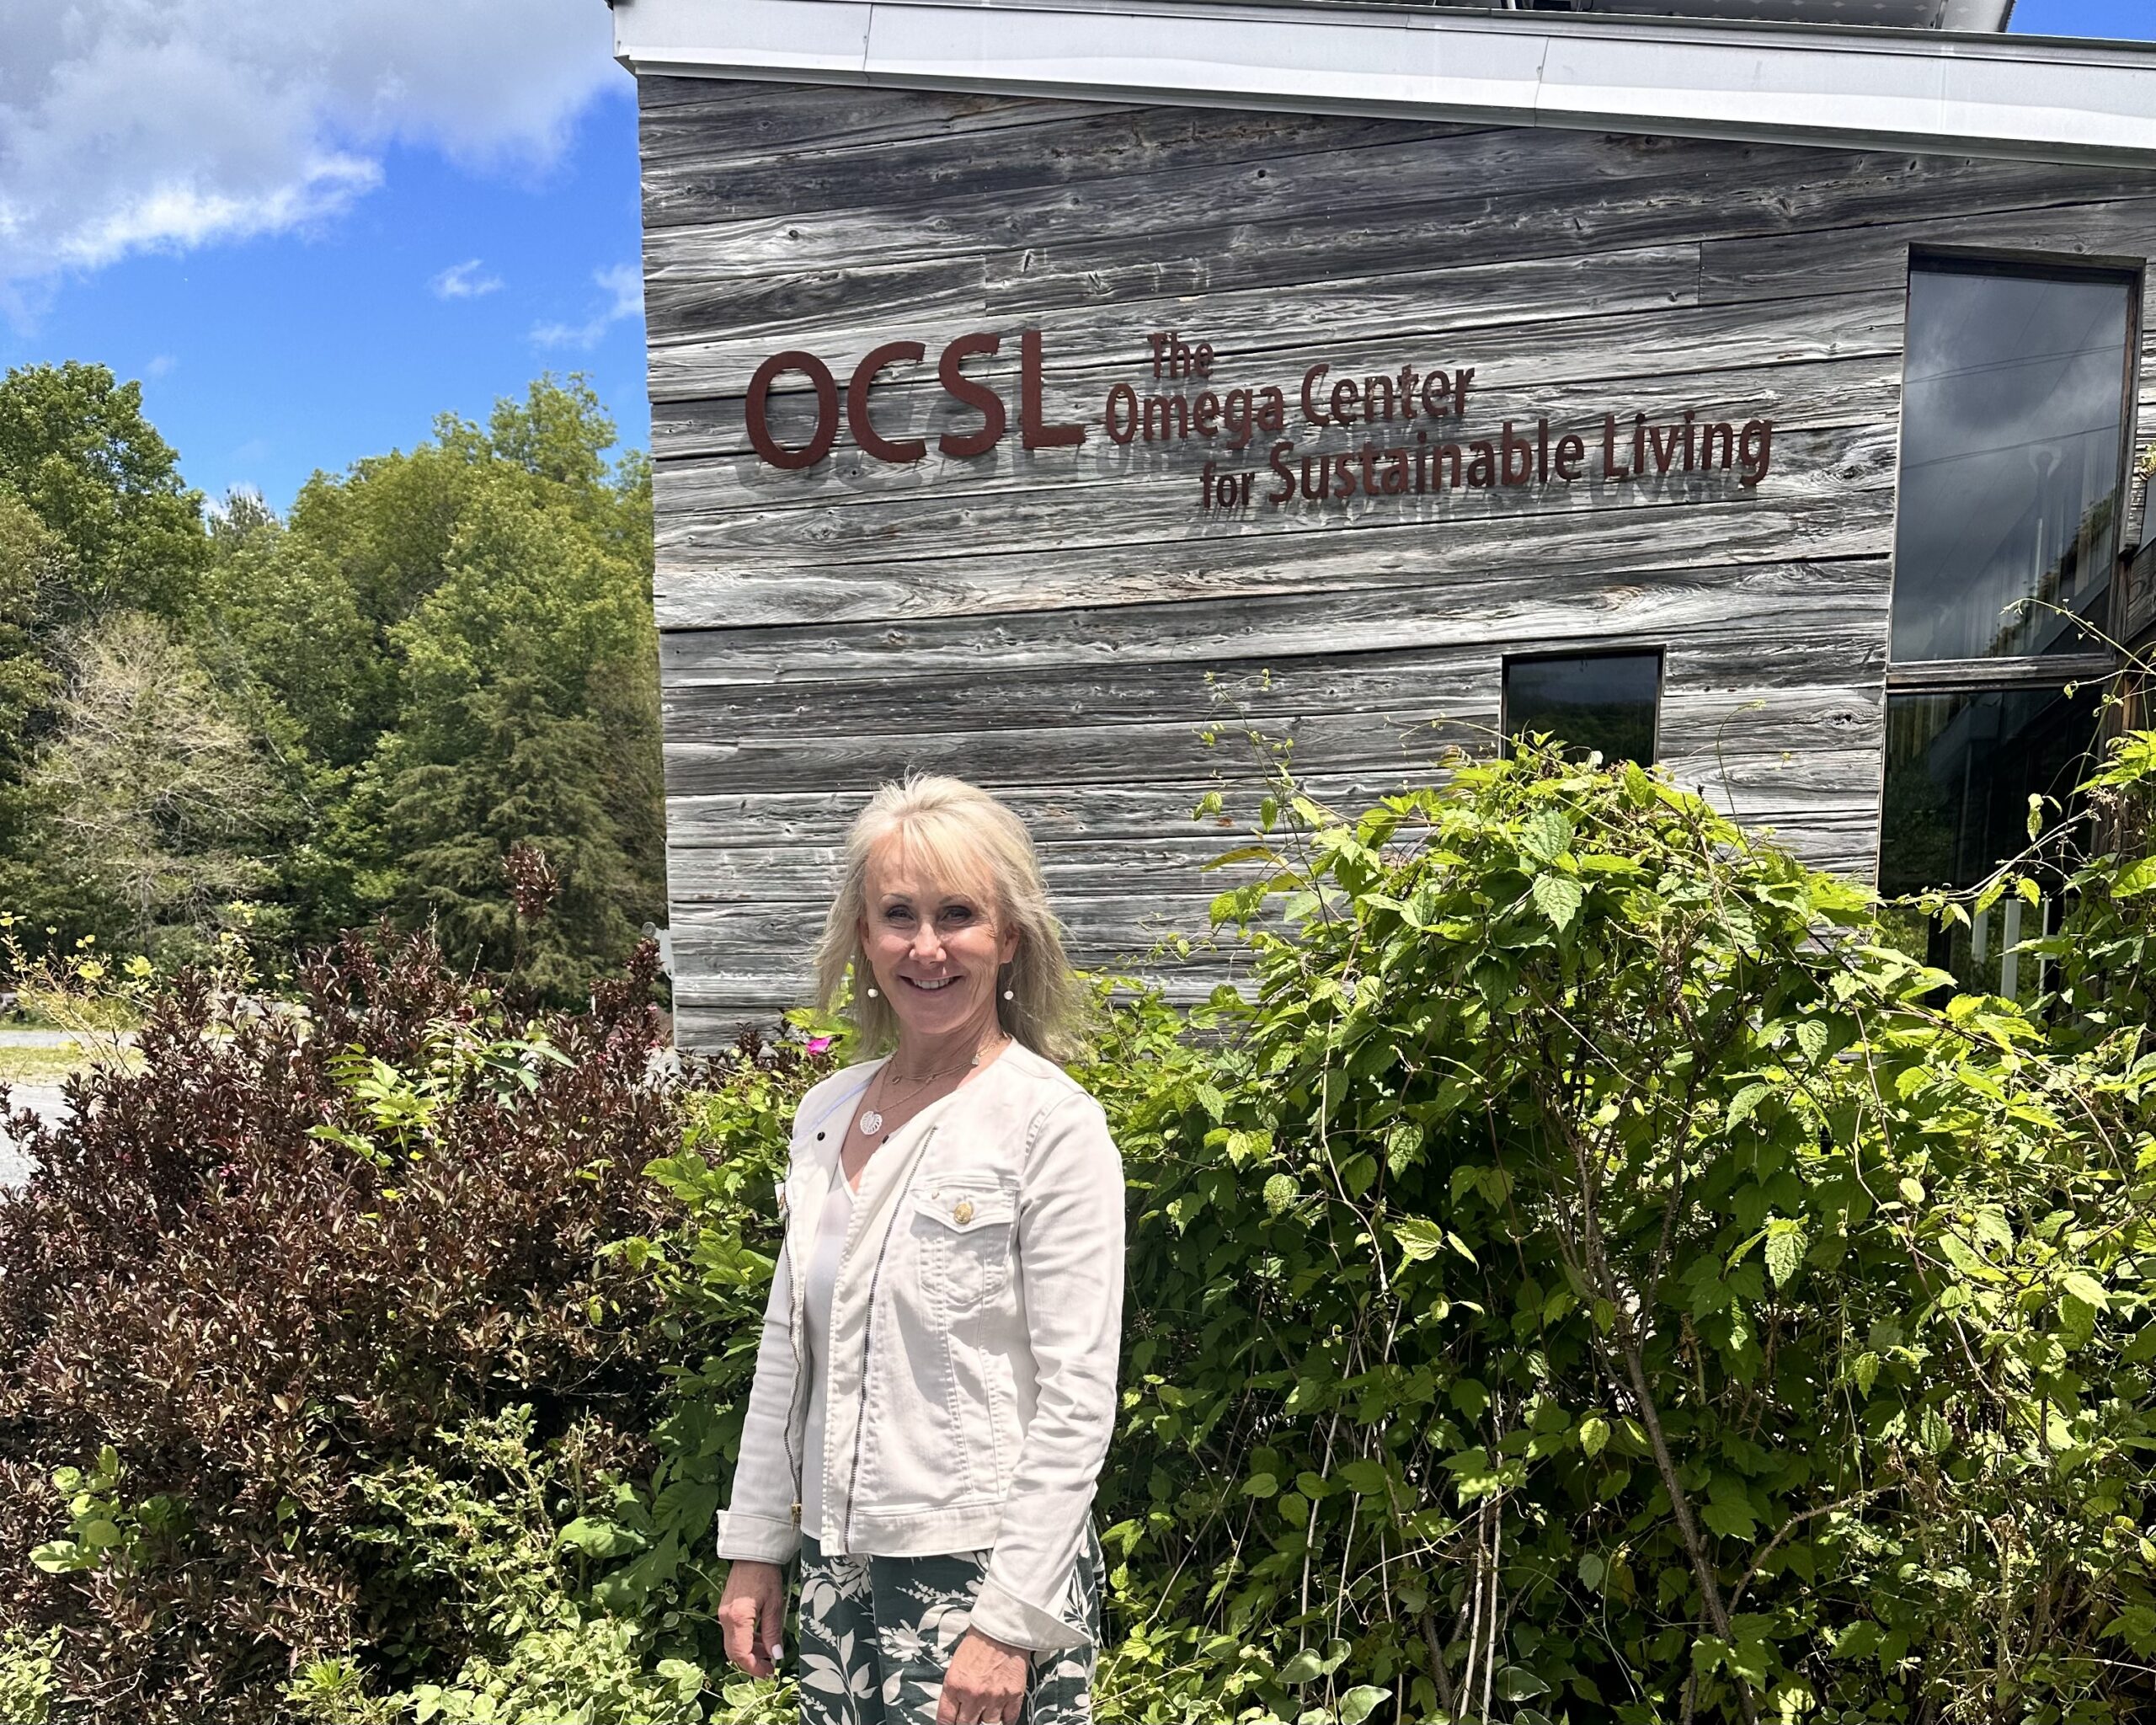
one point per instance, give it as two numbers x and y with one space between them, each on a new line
878 1633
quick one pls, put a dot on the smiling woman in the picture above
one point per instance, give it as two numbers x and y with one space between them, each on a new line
936 1383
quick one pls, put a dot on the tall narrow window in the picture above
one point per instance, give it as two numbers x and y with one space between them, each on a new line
2013 430
1605 702
2015 421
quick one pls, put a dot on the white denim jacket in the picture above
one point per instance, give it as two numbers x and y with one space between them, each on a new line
975 1328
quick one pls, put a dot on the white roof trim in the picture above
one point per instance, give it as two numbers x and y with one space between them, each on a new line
2027 97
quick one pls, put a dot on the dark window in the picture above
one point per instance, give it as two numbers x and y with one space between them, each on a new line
1601 701
1960 768
2013 413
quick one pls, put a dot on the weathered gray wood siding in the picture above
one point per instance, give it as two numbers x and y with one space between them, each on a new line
1063 625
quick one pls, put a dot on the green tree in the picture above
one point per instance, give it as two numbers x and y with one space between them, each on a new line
451 651
31 558
76 448
529 717
94 519
152 797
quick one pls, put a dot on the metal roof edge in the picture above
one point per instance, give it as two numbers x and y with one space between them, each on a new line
2035 98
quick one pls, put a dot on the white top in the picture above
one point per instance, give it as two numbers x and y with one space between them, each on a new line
822 1277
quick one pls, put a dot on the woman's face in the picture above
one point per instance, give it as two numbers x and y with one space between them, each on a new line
932 944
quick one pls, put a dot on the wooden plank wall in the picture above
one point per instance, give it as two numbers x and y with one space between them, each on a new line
1063 626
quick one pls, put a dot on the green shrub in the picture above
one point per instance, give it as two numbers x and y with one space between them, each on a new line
1589 1274
26 1663
251 1277
503 1530
1597 1277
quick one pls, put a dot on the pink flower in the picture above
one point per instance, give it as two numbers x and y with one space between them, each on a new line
817 1044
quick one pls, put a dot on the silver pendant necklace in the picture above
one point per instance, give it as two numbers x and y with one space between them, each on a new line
872 1120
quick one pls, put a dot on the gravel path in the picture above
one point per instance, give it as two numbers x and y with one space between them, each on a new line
19 1038
45 1101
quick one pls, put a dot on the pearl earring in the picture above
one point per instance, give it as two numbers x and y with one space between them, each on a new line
871 993
1010 994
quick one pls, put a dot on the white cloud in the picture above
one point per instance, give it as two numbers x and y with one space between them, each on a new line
464 281
160 365
134 124
623 286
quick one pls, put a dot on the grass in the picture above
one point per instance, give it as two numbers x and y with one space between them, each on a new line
40 1065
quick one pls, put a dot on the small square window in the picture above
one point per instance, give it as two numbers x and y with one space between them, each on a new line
1603 703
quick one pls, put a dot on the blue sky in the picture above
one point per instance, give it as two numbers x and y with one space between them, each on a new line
2124 21
264 359
374 234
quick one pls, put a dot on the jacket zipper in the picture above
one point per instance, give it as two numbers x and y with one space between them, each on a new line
868 1360
796 1322
868 1347
794 1341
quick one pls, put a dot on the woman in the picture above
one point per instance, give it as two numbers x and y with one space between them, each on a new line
936 1383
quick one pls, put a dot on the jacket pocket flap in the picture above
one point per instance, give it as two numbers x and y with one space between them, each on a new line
962 1208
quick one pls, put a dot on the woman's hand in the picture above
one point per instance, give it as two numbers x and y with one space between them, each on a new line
752 1615
986 1685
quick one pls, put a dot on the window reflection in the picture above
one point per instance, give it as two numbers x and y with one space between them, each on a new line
1602 701
1961 769
2012 397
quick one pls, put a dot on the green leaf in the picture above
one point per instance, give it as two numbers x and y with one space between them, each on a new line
1280 1194
1306 1667
2137 878
2136 1626
1932 1429
1745 1103
1811 1036
1547 836
1260 1485
99 1536
1859 1641
1418 1237
1966 1258
1516 1683
1360 1703
1728 1509
1557 898
1594 1434
1784 1255
1365 1477
2086 1288
1242 853
597 1537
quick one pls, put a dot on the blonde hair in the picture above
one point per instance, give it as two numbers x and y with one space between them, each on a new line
962 835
